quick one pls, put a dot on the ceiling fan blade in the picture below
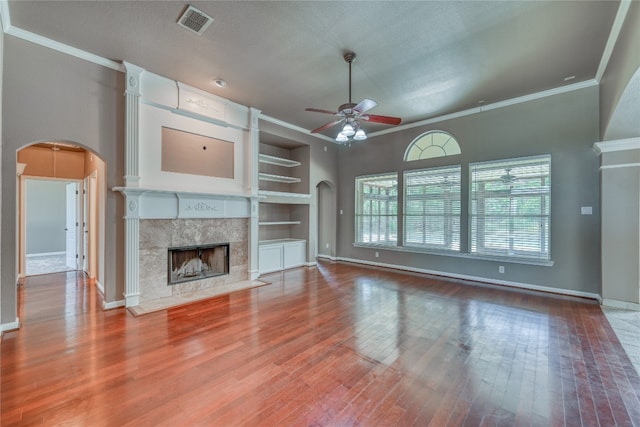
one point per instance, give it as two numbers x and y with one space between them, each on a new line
365 105
381 119
318 110
327 126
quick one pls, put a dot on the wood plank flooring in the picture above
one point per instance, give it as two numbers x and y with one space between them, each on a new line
337 345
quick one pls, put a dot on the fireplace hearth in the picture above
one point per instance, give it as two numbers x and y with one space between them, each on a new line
189 263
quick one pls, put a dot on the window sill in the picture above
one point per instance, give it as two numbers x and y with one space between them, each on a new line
511 260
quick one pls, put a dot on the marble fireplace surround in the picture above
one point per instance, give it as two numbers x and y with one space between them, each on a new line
157 235
157 220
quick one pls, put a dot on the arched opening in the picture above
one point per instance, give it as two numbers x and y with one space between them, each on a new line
326 220
60 212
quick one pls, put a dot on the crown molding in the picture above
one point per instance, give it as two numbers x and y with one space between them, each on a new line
63 48
618 22
5 16
488 107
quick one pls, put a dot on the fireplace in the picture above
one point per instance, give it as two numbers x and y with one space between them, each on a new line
189 263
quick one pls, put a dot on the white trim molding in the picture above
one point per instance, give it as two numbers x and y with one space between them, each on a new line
617 145
621 304
11 326
622 165
113 304
618 22
63 48
479 280
5 16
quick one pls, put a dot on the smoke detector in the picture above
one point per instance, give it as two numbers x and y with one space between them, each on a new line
195 20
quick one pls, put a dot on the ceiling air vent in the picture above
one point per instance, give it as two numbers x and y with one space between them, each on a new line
195 20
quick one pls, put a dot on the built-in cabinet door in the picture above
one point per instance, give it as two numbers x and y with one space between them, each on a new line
294 254
270 259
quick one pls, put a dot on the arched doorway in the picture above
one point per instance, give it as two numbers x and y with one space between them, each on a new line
327 220
65 234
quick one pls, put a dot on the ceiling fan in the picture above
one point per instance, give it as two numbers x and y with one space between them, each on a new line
350 114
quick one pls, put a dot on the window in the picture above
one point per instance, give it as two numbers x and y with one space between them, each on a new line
432 208
510 207
432 144
377 209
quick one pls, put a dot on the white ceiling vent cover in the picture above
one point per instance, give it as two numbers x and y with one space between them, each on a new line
195 20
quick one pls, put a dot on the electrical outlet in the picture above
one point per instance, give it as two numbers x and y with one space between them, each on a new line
327 246
377 254
501 269
341 212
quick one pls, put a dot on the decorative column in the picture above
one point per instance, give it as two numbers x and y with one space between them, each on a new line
132 249
254 229
132 99
131 180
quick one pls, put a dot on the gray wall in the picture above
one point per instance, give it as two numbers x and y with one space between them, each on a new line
46 215
624 61
48 95
620 180
563 125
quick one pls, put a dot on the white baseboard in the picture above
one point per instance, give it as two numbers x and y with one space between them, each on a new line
329 257
621 304
100 287
490 281
113 304
45 254
311 264
10 326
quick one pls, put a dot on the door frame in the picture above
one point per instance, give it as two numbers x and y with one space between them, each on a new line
22 215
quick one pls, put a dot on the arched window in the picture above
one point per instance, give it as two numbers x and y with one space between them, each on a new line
432 144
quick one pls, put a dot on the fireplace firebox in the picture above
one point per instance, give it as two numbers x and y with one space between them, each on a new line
198 262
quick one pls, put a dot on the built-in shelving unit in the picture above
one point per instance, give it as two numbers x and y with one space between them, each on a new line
283 179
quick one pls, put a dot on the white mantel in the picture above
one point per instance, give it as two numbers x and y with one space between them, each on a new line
167 204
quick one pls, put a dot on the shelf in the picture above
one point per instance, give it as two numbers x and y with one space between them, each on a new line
277 178
279 223
278 161
280 242
284 198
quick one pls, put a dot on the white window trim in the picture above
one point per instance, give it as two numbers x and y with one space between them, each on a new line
508 258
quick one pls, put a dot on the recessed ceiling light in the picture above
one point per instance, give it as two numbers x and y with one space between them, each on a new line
220 82
566 79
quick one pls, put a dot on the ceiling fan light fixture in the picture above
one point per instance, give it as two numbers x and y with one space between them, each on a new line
348 130
360 135
341 137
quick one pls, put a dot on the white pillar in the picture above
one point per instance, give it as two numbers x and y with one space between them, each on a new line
131 180
132 250
132 99
254 231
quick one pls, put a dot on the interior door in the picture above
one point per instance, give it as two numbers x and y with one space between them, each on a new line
85 226
71 228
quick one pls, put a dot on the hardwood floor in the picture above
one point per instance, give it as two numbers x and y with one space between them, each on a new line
335 346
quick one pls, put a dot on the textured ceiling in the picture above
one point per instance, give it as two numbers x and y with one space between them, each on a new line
417 59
